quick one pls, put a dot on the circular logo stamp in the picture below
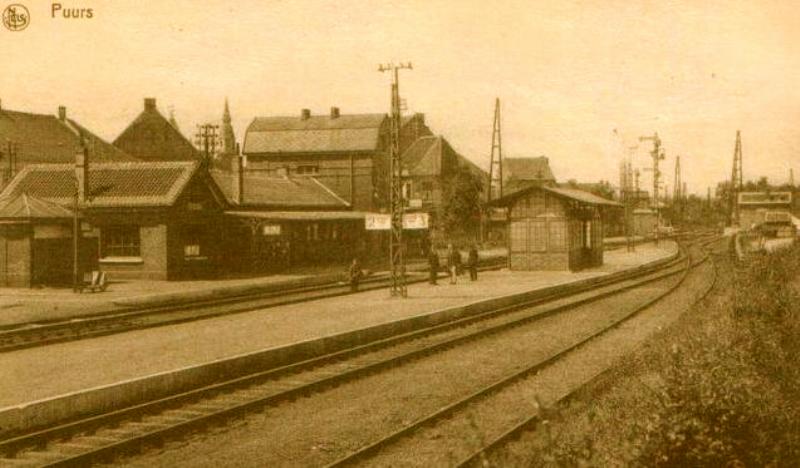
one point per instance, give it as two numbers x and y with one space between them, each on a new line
16 17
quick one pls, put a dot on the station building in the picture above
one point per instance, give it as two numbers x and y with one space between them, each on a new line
346 152
429 164
554 228
137 220
754 206
276 222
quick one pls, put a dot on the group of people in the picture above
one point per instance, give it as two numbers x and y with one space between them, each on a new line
454 266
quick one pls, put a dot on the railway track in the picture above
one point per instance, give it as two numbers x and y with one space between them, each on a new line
107 435
480 456
118 321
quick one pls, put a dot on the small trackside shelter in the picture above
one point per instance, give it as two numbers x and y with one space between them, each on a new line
553 228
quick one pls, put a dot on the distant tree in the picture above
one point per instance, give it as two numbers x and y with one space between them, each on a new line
462 203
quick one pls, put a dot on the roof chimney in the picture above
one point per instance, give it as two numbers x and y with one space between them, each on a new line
82 173
305 114
62 113
334 112
149 104
237 186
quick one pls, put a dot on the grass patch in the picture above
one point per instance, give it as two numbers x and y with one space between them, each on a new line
719 388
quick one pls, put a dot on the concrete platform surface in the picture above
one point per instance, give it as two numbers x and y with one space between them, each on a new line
39 373
26 305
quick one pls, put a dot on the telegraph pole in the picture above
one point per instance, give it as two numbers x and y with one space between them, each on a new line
396 202
657 155
206 140
736 181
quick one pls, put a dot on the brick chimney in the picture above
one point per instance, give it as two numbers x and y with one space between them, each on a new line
305 114
149 104
237 170
334 112
62 113
82 173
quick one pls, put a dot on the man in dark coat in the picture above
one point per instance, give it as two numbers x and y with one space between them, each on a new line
472 263
433 265
355 274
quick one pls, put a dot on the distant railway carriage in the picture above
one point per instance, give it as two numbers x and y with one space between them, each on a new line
552 228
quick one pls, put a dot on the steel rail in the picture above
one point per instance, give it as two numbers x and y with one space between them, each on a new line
41 438
529 423
118 321
376 446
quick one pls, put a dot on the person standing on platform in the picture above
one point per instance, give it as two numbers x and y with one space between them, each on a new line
453 261
472 263
355 274
433 265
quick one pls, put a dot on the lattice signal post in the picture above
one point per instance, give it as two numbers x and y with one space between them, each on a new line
658 155
396 202
736 180
496 158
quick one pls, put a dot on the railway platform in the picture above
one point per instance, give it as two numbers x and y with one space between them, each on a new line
115 364
26 305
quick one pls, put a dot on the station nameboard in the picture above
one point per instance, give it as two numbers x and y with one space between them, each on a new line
383 222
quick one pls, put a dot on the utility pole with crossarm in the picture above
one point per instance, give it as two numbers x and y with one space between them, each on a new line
396 202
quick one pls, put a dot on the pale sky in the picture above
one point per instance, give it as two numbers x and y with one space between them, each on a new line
568 73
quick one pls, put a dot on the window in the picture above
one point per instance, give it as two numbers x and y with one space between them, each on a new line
120 241
192 243
558 235
307 170
538 235
518 236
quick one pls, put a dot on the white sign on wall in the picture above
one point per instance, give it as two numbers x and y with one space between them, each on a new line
383 222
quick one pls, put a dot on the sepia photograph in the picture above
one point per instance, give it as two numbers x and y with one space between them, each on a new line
417 233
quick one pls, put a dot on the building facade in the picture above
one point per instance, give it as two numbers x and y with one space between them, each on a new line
754 206
348 153
552 228
27 138
151 137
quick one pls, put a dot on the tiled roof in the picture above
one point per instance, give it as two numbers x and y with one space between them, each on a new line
264 192
110 184
765 198
27 207
300 215
527 169
44 138
571 194
150 137
428 155
320 133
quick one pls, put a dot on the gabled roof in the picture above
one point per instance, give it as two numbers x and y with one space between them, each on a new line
261 191
30 208
132 184
315 134
42 138
428 155
566 193
151 137
527 169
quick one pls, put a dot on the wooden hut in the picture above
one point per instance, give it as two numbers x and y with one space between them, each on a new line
552 228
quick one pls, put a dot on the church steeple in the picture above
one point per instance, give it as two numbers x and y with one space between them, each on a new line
228 137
